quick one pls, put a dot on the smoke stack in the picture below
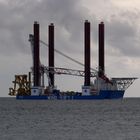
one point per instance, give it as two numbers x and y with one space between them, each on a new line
51 53
36 63
101 49
87 53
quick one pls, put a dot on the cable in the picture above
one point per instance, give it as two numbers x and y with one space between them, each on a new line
66 55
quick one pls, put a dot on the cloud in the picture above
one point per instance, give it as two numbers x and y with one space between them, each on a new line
122 28
17 18
67 15
123 36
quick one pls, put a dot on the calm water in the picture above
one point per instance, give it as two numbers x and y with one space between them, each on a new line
70 120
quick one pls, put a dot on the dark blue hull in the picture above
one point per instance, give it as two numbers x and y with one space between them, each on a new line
103 94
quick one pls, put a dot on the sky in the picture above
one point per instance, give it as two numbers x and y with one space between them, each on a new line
122 33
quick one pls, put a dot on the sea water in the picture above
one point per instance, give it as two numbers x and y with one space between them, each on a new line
70 120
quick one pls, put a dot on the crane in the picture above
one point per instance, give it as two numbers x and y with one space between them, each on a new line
22 85
57 70
122 83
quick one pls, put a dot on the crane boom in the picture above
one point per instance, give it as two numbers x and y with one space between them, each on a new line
66 71
59 52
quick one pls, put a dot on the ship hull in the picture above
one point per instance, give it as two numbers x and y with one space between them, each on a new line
103 94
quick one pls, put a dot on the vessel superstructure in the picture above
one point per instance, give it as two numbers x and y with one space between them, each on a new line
96 84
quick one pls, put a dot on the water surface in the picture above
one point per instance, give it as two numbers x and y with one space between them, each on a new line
70 120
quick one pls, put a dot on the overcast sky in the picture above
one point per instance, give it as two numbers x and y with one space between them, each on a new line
122 45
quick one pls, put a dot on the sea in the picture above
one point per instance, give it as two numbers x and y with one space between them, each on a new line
117 119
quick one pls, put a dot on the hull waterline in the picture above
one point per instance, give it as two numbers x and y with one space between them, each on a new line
103 94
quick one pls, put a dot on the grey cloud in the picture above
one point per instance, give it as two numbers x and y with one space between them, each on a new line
17 18
67 14
123 35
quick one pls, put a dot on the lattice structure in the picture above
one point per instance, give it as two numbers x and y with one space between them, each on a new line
123 83
68 71
21 86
